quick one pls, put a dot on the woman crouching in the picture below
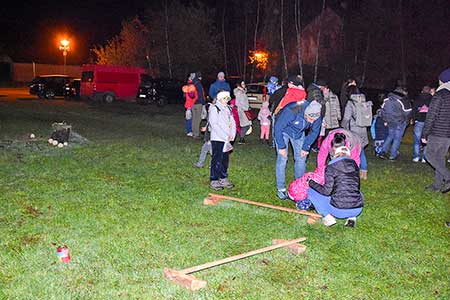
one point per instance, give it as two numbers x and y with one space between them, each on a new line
340 196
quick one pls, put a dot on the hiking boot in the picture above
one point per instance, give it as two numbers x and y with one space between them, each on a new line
445 187
363 174
283 195
328 220
215 185
350 222
224 182
198 165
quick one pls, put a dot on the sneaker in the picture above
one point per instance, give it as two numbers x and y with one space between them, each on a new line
328 220
350 222
303 205
445 187
424 160
215 185
241 141
224 182
189 134
198 165
283 195
447 223
416 159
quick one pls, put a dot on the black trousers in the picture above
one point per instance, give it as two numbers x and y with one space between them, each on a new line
219 161
437 149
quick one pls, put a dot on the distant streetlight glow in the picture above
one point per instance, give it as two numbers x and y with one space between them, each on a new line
64 47
260 58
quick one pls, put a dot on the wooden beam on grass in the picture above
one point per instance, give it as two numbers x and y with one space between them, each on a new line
215 198
183 277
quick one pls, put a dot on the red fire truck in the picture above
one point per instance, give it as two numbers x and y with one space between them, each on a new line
108 83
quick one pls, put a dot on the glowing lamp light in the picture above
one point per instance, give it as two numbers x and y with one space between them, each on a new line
259 58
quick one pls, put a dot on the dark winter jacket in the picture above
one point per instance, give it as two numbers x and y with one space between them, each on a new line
217 86
396 108
291 121
276 97
437 122
341 183
201 94
421 106
315 93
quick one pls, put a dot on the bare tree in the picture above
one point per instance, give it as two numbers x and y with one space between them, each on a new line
402 42
255 35
167 38
366 58
318 41
245 43
298 29
282 39
223 38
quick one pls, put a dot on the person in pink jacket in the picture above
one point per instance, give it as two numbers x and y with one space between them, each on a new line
264 120
298 189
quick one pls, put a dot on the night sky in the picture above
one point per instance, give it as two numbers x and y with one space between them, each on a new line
31 29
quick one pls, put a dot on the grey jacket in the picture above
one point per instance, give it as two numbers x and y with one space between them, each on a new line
242 105
332 111
349 121
221 123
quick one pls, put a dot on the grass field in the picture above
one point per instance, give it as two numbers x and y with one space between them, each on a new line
129 204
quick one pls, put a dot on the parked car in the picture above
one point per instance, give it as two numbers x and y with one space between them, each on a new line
49 86
159 91
257 93
72 89
108 83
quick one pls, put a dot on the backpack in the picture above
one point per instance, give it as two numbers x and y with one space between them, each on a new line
363 110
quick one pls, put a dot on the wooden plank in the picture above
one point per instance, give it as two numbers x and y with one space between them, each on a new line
296 211
294 248
211 200
240 256
185 280
312 220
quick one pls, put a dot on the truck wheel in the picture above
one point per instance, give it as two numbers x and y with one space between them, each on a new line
109 98
161 101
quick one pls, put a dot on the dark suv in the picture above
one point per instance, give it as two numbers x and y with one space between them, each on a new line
72 89
49 86
159 91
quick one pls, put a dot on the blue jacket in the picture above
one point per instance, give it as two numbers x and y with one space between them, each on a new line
217 86
291 121
201 99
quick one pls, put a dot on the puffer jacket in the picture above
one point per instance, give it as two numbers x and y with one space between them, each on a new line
437 122
396 108
332 111
221 123
242 105
341 183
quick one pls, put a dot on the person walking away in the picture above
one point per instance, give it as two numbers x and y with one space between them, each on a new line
420 108
292 122
379 132
264 120
350 85
240 93
219 85
340 195
357 117
436 133
332 116
198 106
191 96
223 132
396 111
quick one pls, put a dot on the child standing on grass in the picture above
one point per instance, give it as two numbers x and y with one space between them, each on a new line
379 132
264 119
340 195
223 132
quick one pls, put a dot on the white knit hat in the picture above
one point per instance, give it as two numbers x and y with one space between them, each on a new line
223 95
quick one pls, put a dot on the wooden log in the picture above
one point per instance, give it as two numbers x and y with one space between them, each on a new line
185 280
294 248
312 220
240 256
296 211
211 200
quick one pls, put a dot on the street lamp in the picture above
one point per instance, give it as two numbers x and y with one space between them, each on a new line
64 47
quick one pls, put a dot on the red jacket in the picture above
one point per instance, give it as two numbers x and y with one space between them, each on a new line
292 95
190 93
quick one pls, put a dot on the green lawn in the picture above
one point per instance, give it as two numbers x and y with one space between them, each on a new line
129 204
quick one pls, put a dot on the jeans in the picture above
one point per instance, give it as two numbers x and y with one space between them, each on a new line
323 206
196 119
299 162
189 126
436 152
418 128
395 135
219 161
363 159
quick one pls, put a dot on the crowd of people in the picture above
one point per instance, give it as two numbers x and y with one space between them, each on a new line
316 119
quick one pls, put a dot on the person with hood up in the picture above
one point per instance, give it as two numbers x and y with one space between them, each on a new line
223 133
240 93
420 109
396 110
272 85
219 85
436 134
340 195
291 124
264 120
